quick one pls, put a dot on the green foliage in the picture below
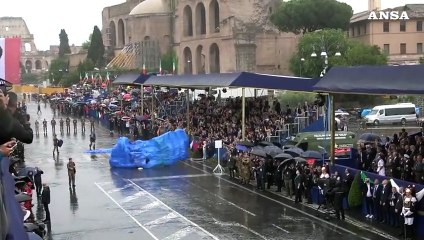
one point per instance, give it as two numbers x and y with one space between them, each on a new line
332 41
64 43
96 50
85 66
86 45
355 193
58 69
28 78
302 16
70 79
294 98
167 60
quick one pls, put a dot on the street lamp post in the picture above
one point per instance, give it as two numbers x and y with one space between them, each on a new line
302 60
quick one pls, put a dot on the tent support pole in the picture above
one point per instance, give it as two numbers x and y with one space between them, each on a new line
332 128
142 99
188 110
152 113
243 115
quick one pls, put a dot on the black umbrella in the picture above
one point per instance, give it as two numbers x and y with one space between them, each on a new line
283 156
287 162
300 160
288 146
295 152
273 150
264 144
311 154
258 151
370 137
246 143
27 172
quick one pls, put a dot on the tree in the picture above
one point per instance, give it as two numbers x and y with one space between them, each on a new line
96 50
331 41
58 69
64 43
167 60
28 78
86 45
354 198
302 16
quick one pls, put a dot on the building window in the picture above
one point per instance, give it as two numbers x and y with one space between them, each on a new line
419 48
403 26
403 48
386 27
387 49
419 26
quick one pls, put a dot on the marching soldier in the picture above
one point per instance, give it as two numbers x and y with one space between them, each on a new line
45 126
91 124
93 141
68 125
75 126
61 125
53 122
408 212
71 172
55 145
83 125
245 169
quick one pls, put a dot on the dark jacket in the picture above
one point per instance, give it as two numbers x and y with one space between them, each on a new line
37 177
12 128
45 195
347 182
377 193
385 194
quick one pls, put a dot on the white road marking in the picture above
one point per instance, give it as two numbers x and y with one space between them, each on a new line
180 234
282 229
170 177
119 189
223 199
276 201
172 210
132 197
161 220
145 208
230 224
126 212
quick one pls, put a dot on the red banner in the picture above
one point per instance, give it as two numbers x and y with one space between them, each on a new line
10 56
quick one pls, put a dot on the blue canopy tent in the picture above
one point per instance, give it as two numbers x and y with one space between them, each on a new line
130 79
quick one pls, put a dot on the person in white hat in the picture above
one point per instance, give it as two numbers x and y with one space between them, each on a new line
408 212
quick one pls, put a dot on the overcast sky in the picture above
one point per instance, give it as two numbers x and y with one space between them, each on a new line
45 18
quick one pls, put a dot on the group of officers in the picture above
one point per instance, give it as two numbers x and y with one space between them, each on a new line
62 124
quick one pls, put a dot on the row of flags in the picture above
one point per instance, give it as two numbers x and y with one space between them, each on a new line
95 79
161 72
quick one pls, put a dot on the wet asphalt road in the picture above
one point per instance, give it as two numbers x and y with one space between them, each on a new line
184 201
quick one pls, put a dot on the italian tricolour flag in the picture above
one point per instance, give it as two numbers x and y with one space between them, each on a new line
10 54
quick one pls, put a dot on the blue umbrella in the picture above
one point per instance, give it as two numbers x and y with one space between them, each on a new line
241 148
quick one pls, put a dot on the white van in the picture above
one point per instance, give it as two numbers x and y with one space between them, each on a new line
389 114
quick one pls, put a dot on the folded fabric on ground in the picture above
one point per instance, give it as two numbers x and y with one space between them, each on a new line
166 149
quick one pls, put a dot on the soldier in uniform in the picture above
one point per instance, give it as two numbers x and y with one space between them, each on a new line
83 125
45 127
288 180
53 122
68 125
245 169
91 124
408 212
279 175
270 170
61 125
55 145
232 163
71 172
37 128
261 175
407 168
75 126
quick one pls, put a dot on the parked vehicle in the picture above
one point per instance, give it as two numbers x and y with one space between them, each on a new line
391 114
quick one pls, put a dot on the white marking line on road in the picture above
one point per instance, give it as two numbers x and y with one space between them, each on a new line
161 220
126 212
171 177
276 201
223 199
119 189
232 224
145 208
132 197
180 234
282 229
172 210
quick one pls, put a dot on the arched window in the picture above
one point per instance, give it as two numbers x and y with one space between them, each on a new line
112 34
188 64
200 60
200 19
38 65
214 60
214 16
188 21
121 33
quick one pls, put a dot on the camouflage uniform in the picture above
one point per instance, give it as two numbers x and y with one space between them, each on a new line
245 170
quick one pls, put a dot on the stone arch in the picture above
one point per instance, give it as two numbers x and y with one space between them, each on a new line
200 60
28 66
214 59
188 61
214 16
112 34
121 33
38 65
188 21
200 19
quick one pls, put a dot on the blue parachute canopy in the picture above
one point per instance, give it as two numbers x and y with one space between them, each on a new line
166 149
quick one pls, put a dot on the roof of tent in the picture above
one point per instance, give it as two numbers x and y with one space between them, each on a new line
241 79
126 79
404 79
